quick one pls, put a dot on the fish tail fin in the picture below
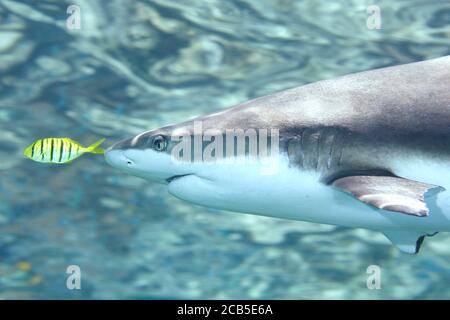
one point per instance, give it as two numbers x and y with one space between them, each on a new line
94 148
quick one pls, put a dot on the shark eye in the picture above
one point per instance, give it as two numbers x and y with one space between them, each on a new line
159 143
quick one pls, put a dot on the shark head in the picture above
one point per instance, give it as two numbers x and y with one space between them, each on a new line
149 156
207 167
195 147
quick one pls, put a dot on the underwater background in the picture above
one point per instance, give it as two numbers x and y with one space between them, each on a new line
138 65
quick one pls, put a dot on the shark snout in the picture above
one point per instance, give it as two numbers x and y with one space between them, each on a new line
121 145
116 156
142 159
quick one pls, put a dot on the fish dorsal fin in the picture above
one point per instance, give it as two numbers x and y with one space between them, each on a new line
406 241
389 193
73 142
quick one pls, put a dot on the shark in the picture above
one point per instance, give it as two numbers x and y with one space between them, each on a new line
365 150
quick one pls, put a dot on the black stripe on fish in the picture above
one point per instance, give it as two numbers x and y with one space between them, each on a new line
32 149
51 149
70 150
42 149
61 149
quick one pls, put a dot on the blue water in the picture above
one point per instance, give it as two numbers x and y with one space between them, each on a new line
137 65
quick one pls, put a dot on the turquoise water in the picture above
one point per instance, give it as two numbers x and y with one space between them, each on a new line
137 65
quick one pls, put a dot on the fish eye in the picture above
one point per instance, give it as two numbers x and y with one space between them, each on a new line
159 143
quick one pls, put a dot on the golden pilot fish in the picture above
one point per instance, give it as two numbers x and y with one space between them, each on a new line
59 150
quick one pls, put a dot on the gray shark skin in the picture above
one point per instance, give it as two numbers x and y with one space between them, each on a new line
370 150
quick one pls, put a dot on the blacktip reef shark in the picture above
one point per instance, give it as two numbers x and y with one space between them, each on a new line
368 150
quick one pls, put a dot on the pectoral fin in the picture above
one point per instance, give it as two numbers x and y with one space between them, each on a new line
389 193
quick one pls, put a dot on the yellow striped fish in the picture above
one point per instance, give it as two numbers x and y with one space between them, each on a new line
59 150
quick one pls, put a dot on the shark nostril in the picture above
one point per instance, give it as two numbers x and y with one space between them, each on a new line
127 159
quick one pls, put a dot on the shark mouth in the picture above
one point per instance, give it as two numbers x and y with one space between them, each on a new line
169 180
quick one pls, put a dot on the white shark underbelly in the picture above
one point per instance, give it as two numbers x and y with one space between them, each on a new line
299 195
